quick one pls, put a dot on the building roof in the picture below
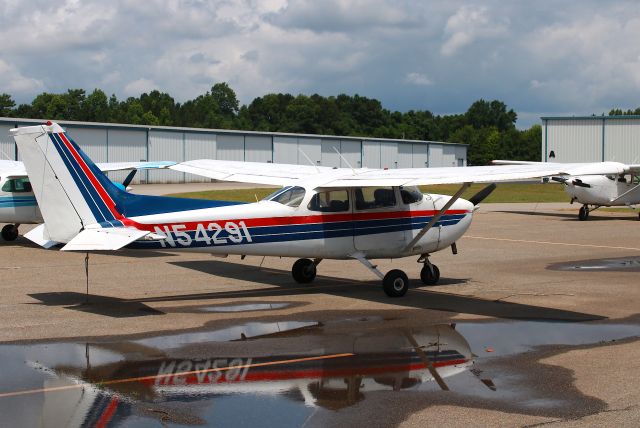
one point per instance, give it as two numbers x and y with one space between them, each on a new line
590 117
16 121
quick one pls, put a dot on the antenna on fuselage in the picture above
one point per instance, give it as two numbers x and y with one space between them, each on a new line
309 159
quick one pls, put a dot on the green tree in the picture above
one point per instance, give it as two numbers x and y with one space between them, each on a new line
6 105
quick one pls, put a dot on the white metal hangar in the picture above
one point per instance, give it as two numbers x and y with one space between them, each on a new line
107 142
591 139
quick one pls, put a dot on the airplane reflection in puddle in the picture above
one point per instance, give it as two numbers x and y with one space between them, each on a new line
318 366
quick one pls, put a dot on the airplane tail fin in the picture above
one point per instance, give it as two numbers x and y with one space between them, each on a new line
71 191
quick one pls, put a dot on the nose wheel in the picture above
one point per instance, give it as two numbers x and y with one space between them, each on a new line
430 274
583 214
9 232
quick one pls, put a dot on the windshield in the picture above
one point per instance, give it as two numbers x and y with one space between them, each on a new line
290 196
411 194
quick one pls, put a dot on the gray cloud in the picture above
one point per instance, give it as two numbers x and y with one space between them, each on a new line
538 57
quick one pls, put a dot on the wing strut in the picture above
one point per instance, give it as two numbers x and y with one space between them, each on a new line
437 217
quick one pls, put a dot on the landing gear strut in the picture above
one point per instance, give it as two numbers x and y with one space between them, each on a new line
10 232
583 214
395 283
304 270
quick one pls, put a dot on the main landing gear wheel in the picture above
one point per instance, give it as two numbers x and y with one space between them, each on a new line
9 232
304 271
430 275
395 283
583 214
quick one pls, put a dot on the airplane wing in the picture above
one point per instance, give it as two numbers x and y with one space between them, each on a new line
16 169
280 174
251 172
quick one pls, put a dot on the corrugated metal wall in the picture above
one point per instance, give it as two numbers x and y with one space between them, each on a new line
120 143
124 145
199 146
371 154
165 145
420 158
312 148
7 145
591 139
622 140
574 140
285 150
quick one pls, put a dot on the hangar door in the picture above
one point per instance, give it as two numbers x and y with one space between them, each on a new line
420 155
165 146
230 147
199 146
92 141
258 149
285 150
370 154
311 148
352 151
329 155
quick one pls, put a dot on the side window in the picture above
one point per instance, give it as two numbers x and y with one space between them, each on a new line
368 198
17 185
330 201
410 194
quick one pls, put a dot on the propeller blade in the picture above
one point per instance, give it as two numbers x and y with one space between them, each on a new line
580 183
482 194
129 178
562 180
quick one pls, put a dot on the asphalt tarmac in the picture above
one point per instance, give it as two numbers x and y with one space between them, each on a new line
536 321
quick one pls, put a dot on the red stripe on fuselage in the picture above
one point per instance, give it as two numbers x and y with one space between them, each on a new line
92 178
299 220
315 373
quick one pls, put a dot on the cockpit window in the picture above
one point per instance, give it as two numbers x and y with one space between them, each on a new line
17 185
368 198
290 196
330 201
410 194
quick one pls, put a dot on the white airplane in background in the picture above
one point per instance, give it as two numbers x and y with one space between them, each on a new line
18 204
335 213
595 191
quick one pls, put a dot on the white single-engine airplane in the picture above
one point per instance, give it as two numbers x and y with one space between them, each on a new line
18 204
595 191
335 213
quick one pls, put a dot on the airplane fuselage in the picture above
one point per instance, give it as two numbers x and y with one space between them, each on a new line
271 228
601 190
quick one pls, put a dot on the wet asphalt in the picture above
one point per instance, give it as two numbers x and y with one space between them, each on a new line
536 322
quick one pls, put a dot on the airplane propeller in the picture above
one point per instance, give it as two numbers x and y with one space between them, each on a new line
482 194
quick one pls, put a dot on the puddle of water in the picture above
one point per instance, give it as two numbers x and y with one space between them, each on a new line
619 264
270 374
508 338
246 307
236 332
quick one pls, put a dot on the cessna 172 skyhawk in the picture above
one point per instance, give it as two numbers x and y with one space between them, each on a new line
18 205
610 190
320 213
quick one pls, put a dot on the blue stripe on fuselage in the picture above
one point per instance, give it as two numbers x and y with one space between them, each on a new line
300 232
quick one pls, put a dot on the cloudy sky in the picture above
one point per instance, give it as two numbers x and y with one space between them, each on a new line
539 57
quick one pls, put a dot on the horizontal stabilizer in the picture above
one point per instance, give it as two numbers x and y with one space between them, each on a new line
112 238
40 236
